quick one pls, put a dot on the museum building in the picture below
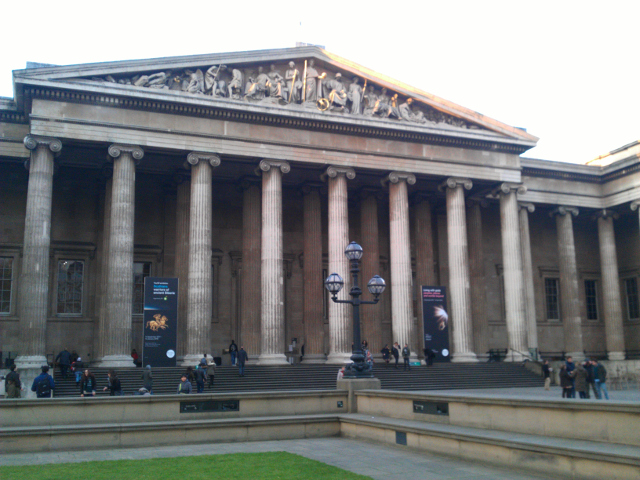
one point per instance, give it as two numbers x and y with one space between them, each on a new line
245 175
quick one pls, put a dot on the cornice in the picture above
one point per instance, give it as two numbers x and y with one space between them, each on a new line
199 106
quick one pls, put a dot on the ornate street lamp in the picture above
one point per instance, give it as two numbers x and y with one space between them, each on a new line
334 283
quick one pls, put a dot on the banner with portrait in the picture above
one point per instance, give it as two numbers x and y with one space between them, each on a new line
436 323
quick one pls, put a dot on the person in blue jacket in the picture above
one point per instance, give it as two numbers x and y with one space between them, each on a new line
43 384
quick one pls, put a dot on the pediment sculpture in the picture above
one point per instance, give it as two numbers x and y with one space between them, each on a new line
297 88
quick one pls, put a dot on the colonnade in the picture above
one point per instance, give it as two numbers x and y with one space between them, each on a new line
262 322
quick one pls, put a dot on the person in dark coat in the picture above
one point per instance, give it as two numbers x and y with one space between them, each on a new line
88 384
185 385
406 353
570 368
546 370
115 386
12 383
565 382
43 384
395 351
233 351
591 379
147 379
64 360
200 378
600 374
211 373
580 380
386 354
242 358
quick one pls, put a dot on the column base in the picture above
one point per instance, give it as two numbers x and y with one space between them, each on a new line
613 356
116 361
272 359
464 357
482 357
577 356
339 358
513 357
24 362
190 360
315 358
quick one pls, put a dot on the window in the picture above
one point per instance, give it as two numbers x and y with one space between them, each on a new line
70 283
552 296
6 279
591 297
141 270
633 308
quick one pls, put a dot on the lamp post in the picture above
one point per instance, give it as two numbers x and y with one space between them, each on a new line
334 283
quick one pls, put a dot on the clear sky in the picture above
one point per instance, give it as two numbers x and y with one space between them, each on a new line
567 71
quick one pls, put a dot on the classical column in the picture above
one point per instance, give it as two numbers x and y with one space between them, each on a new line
512 271
117 325
476 270
101 299
183 207
569 297
340 314
272 275
370 317
527 271
400 260
460 308
313 282
251 260
200 283
610 286
34 278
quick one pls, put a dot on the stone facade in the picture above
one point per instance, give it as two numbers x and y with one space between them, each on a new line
245 192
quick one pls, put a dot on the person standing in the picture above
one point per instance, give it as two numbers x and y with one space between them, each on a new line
386 354
12 383
340 374
64 360
242 358
395 351
591 379
200 378
580 380
203 361
115 387
570 368
43 384
233 351
546 371
88 384
185 385
600 374
565 382
406 353
211 372
147 379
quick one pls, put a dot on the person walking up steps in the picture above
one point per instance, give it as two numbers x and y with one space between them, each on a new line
406 353
242 358
211 372
233 351
395 351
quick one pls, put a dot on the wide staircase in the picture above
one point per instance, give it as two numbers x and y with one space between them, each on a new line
314 377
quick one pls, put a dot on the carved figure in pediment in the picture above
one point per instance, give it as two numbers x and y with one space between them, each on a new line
294 84
355 96
258 88
196 81
213 84
235 85
276 83
407 113
311 89
370 101
335 93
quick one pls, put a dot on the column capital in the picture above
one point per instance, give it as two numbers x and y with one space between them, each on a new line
396 177
604 213
34 141
266 165
530 207
135 151
195 157
453 182
634 205
563 210
506 188
333 171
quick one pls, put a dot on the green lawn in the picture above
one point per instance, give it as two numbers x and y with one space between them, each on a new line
237 466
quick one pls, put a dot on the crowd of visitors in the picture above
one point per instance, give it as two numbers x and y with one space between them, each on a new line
582 378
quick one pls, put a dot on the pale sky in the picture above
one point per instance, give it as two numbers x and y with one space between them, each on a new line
567 71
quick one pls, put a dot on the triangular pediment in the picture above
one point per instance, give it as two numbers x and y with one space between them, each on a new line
318 83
